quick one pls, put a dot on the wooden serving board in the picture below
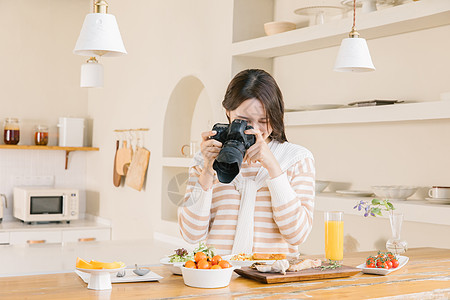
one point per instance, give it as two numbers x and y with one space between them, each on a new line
309 274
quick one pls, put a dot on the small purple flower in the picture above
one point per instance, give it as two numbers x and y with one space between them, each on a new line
366 214
373 215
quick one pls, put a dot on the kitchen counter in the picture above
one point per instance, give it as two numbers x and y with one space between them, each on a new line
18 260
427 275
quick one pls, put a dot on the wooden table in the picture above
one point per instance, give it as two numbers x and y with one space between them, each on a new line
426 275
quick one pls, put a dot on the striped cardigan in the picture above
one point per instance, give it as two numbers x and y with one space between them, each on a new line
282 221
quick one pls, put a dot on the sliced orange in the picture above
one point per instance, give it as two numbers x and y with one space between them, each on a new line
82 264
103 265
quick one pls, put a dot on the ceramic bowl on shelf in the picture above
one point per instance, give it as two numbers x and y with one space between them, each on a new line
394 192
272 28
321 185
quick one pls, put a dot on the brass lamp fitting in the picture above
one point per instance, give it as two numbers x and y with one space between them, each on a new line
101 7
353 33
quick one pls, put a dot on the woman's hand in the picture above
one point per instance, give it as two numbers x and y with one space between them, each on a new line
260 152
210 149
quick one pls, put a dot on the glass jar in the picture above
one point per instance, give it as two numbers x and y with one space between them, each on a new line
41 135
11 131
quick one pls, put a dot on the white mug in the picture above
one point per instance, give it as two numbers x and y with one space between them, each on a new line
192 149
439 192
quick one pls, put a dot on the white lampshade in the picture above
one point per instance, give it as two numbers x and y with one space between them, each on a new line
91 74
100 36
354 56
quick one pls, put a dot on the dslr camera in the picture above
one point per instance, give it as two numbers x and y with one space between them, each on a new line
234 145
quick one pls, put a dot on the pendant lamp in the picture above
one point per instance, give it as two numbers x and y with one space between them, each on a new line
353 55
99 36
91 74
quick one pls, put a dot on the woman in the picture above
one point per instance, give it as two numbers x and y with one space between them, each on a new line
268 207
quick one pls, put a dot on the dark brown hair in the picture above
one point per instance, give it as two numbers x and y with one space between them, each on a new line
258 84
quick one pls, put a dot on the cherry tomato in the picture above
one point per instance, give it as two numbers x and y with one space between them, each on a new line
190 264
371 265
203 264
380 264
395 263
389 264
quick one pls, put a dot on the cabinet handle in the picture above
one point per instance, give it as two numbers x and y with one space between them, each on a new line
91 239
35 241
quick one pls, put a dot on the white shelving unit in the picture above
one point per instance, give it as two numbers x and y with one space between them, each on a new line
182 162
384 113
413 210
392 21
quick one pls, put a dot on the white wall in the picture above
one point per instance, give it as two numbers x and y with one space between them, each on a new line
166 41
39 82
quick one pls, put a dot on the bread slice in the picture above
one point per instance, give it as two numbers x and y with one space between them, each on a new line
268 256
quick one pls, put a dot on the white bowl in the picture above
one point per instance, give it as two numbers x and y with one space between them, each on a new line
272 28
394 192
207 279
321 185
171 266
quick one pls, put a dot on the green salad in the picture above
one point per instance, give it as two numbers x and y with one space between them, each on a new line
182 255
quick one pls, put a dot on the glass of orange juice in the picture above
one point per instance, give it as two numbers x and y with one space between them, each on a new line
334 235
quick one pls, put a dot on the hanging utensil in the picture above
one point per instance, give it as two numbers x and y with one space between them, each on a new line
138 167
117 178
124 156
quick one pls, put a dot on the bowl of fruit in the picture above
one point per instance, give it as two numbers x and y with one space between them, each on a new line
206 272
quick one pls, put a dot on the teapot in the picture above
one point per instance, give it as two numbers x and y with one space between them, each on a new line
3 199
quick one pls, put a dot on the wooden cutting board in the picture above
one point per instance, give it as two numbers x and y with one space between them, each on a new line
116 176
138 169
309 274
123 157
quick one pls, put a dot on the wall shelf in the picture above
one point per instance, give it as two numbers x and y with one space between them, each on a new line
370 114
34 147
391 21
413 210
182 162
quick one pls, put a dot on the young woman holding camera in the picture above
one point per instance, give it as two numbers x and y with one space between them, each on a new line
268 207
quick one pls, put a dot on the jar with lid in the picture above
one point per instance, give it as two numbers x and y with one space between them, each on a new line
41 135
11 131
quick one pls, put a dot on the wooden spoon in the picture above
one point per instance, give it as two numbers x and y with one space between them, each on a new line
116 176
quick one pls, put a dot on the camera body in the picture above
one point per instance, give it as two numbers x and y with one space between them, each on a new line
234 145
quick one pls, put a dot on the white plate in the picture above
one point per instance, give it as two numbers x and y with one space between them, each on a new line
248 263
244 263
129 277
439 200
402 260
314 107
174 269
354 193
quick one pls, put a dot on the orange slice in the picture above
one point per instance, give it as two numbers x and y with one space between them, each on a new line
82 264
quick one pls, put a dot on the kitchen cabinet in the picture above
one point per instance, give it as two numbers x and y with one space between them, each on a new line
19 233
34 147
90 235
35 237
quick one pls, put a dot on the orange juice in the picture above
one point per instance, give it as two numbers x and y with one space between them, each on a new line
334 240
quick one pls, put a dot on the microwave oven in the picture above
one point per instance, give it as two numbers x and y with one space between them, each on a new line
40 204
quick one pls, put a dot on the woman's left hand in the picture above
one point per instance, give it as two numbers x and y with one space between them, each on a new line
260 152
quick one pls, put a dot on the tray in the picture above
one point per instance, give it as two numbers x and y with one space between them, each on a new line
129 276
303 275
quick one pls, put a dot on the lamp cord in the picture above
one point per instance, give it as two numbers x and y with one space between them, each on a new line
354 14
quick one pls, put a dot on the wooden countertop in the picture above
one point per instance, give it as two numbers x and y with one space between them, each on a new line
426 275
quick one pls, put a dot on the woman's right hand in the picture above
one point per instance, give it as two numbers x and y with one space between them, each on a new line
210 148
